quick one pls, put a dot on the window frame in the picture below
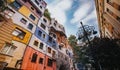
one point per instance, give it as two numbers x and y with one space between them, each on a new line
7 52
50 62
34 57
31 16
29 26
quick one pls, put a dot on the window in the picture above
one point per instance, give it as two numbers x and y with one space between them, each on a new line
43 26
36 2
32 8
16 5
24 0
49 50
109 11
39 12
19 33
118 18
43 35
50 39
39 33
32 17
44 20
41 7
41 45
30 26
55 24
54 35
36 43
40 60
53 53
23 21
60 47
49 62
34 57
8 49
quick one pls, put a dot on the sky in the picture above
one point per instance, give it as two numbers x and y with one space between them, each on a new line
71 12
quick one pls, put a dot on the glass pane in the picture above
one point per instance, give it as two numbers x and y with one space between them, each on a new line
5 49
10 52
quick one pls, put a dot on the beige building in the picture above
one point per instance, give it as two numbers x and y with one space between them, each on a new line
108 13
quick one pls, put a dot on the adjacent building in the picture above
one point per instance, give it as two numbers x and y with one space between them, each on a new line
31 41
108 13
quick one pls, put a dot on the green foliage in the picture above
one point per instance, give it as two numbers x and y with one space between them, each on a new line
47 14
2 5
107 52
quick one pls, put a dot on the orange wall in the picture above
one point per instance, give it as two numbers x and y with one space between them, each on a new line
48 67
28 65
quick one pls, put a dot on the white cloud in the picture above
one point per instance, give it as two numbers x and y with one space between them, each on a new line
58 10
85 12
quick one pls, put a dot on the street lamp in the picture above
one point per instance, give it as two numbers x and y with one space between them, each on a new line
84 31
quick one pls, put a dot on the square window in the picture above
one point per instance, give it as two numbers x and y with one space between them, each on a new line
50 62
50 39
44 35
8 49
43 26
24 21
36 2
49 50
39 33
16 5
32 17
41 45
19 33
30 26
44 20
34 57
40 60
36 43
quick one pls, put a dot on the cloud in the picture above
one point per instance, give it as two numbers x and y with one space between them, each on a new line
86 7
58 10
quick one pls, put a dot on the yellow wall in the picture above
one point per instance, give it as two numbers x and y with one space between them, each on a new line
26 12
26 38
10 1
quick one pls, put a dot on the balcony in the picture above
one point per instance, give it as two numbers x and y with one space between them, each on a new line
40 5
56 27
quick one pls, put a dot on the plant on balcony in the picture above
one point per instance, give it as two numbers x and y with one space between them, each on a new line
47 14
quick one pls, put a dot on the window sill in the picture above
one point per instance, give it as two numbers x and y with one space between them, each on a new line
6 55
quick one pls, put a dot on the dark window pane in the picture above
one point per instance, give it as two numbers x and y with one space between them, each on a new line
49 62
41 45
16 5
32 17
36 2
44 20
41 60
23 21
39 33
30 26
34 57
50 39
36 43
43 26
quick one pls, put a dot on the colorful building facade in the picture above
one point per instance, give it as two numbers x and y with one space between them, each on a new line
108 14
31 41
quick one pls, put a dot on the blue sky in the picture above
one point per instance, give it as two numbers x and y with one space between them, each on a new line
71 12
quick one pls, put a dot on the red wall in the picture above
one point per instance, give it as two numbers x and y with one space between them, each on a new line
28 65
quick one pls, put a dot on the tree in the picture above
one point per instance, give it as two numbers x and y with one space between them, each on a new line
47 14
106 52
